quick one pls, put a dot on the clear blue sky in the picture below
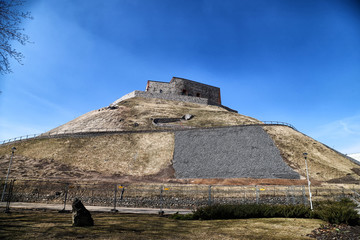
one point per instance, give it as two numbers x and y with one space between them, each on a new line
295 61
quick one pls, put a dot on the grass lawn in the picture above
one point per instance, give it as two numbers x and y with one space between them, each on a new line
28 224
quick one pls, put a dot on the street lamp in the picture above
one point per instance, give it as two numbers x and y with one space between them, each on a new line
307 175
8 171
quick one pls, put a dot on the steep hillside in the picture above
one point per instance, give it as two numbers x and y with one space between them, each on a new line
111 155
149 156
118 155
324 163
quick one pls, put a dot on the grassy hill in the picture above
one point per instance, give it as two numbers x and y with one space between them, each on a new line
148 156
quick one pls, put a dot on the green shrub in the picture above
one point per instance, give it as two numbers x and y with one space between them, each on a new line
337 212
251 211
178 216
330 211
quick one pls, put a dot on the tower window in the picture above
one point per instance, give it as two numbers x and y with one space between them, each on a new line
184 92
160 90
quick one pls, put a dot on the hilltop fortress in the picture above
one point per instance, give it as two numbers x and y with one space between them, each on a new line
179 89
184 87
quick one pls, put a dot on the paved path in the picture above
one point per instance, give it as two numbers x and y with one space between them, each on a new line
26 205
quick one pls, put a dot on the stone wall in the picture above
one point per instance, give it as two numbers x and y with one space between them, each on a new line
160 87
197 89
127 96
184 196
180 86
165 96
234 152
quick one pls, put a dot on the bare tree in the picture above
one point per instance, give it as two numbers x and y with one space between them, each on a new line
11 17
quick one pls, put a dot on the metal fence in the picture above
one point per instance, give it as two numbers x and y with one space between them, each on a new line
279 123
116 130
19 138
169 195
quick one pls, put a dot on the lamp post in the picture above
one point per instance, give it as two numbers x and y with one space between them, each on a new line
307 176
8 171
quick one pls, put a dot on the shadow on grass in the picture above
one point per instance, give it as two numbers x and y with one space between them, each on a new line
26 224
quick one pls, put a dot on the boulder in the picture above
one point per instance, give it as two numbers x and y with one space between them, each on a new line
112 107
187 117
81 217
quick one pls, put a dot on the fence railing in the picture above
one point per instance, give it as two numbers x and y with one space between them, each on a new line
279 123
19 138
116 130
169 195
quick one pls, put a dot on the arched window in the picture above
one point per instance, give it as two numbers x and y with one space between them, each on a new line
198 94
184 92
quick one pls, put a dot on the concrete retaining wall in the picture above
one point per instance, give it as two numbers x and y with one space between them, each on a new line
236 152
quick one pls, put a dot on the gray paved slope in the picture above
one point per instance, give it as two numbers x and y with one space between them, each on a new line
236 152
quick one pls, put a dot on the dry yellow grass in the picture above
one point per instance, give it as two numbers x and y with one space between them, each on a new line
124 154
52 225
324 163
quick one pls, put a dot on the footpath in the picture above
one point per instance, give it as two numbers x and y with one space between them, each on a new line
58 207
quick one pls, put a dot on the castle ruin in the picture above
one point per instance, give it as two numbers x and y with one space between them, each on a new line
179 89
185 87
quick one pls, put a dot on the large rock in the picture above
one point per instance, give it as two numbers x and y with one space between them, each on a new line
187 117
81 217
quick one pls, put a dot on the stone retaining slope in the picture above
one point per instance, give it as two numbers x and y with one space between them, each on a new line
235 152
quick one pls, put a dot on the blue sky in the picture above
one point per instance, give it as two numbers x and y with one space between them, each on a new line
294 61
